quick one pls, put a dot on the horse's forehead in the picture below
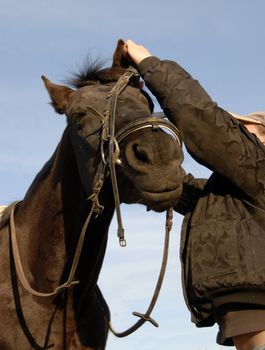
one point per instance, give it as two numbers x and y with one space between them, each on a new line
90 94
97 95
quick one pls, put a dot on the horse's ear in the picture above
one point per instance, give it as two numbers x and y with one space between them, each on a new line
119 60
59 95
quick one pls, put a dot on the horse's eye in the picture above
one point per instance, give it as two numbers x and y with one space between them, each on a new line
76 117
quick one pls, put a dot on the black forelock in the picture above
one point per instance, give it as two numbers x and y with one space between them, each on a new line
87 74
94 71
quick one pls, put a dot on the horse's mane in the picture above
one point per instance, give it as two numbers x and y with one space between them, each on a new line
93 72
5 210
42 174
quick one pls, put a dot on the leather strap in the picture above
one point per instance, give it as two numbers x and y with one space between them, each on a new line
70 281
146 316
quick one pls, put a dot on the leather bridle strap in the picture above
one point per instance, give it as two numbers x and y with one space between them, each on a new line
19 310
16 269
154 123
109 134
70 281
18 264
146 316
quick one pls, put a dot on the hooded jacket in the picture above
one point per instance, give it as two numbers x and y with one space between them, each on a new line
223 231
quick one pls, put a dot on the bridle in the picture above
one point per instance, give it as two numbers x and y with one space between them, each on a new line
108 135
107 165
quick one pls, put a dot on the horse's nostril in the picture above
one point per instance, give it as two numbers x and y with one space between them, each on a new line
140 153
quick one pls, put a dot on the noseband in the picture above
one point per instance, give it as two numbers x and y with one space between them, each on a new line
156 122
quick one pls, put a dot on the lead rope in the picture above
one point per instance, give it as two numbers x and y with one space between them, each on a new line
146 316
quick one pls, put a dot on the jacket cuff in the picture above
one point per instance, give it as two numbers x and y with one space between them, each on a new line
147 63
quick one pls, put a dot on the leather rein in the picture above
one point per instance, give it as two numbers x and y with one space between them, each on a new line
107 163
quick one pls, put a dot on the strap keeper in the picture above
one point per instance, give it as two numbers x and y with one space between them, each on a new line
66 285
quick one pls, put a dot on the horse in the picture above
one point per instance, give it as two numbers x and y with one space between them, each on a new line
74 195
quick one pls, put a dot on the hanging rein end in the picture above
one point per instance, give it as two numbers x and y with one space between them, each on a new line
146 316
120 234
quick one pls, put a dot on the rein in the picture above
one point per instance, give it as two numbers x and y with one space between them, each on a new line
113 139
146 316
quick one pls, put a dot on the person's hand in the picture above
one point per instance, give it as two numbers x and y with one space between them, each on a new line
137 53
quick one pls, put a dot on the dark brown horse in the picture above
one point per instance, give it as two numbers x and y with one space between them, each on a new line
48 222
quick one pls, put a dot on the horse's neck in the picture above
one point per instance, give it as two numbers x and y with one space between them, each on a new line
52 211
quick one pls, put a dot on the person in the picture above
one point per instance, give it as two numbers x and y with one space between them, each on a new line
223 231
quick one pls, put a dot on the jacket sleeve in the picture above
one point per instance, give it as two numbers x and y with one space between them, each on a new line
212 136
192 191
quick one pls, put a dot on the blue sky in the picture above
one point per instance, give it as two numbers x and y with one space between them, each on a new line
221 43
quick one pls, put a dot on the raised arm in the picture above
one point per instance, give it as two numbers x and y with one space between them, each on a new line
212 136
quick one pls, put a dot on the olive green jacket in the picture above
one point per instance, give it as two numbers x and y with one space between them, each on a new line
223 232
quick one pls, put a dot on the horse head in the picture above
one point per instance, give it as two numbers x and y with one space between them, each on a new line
149 165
